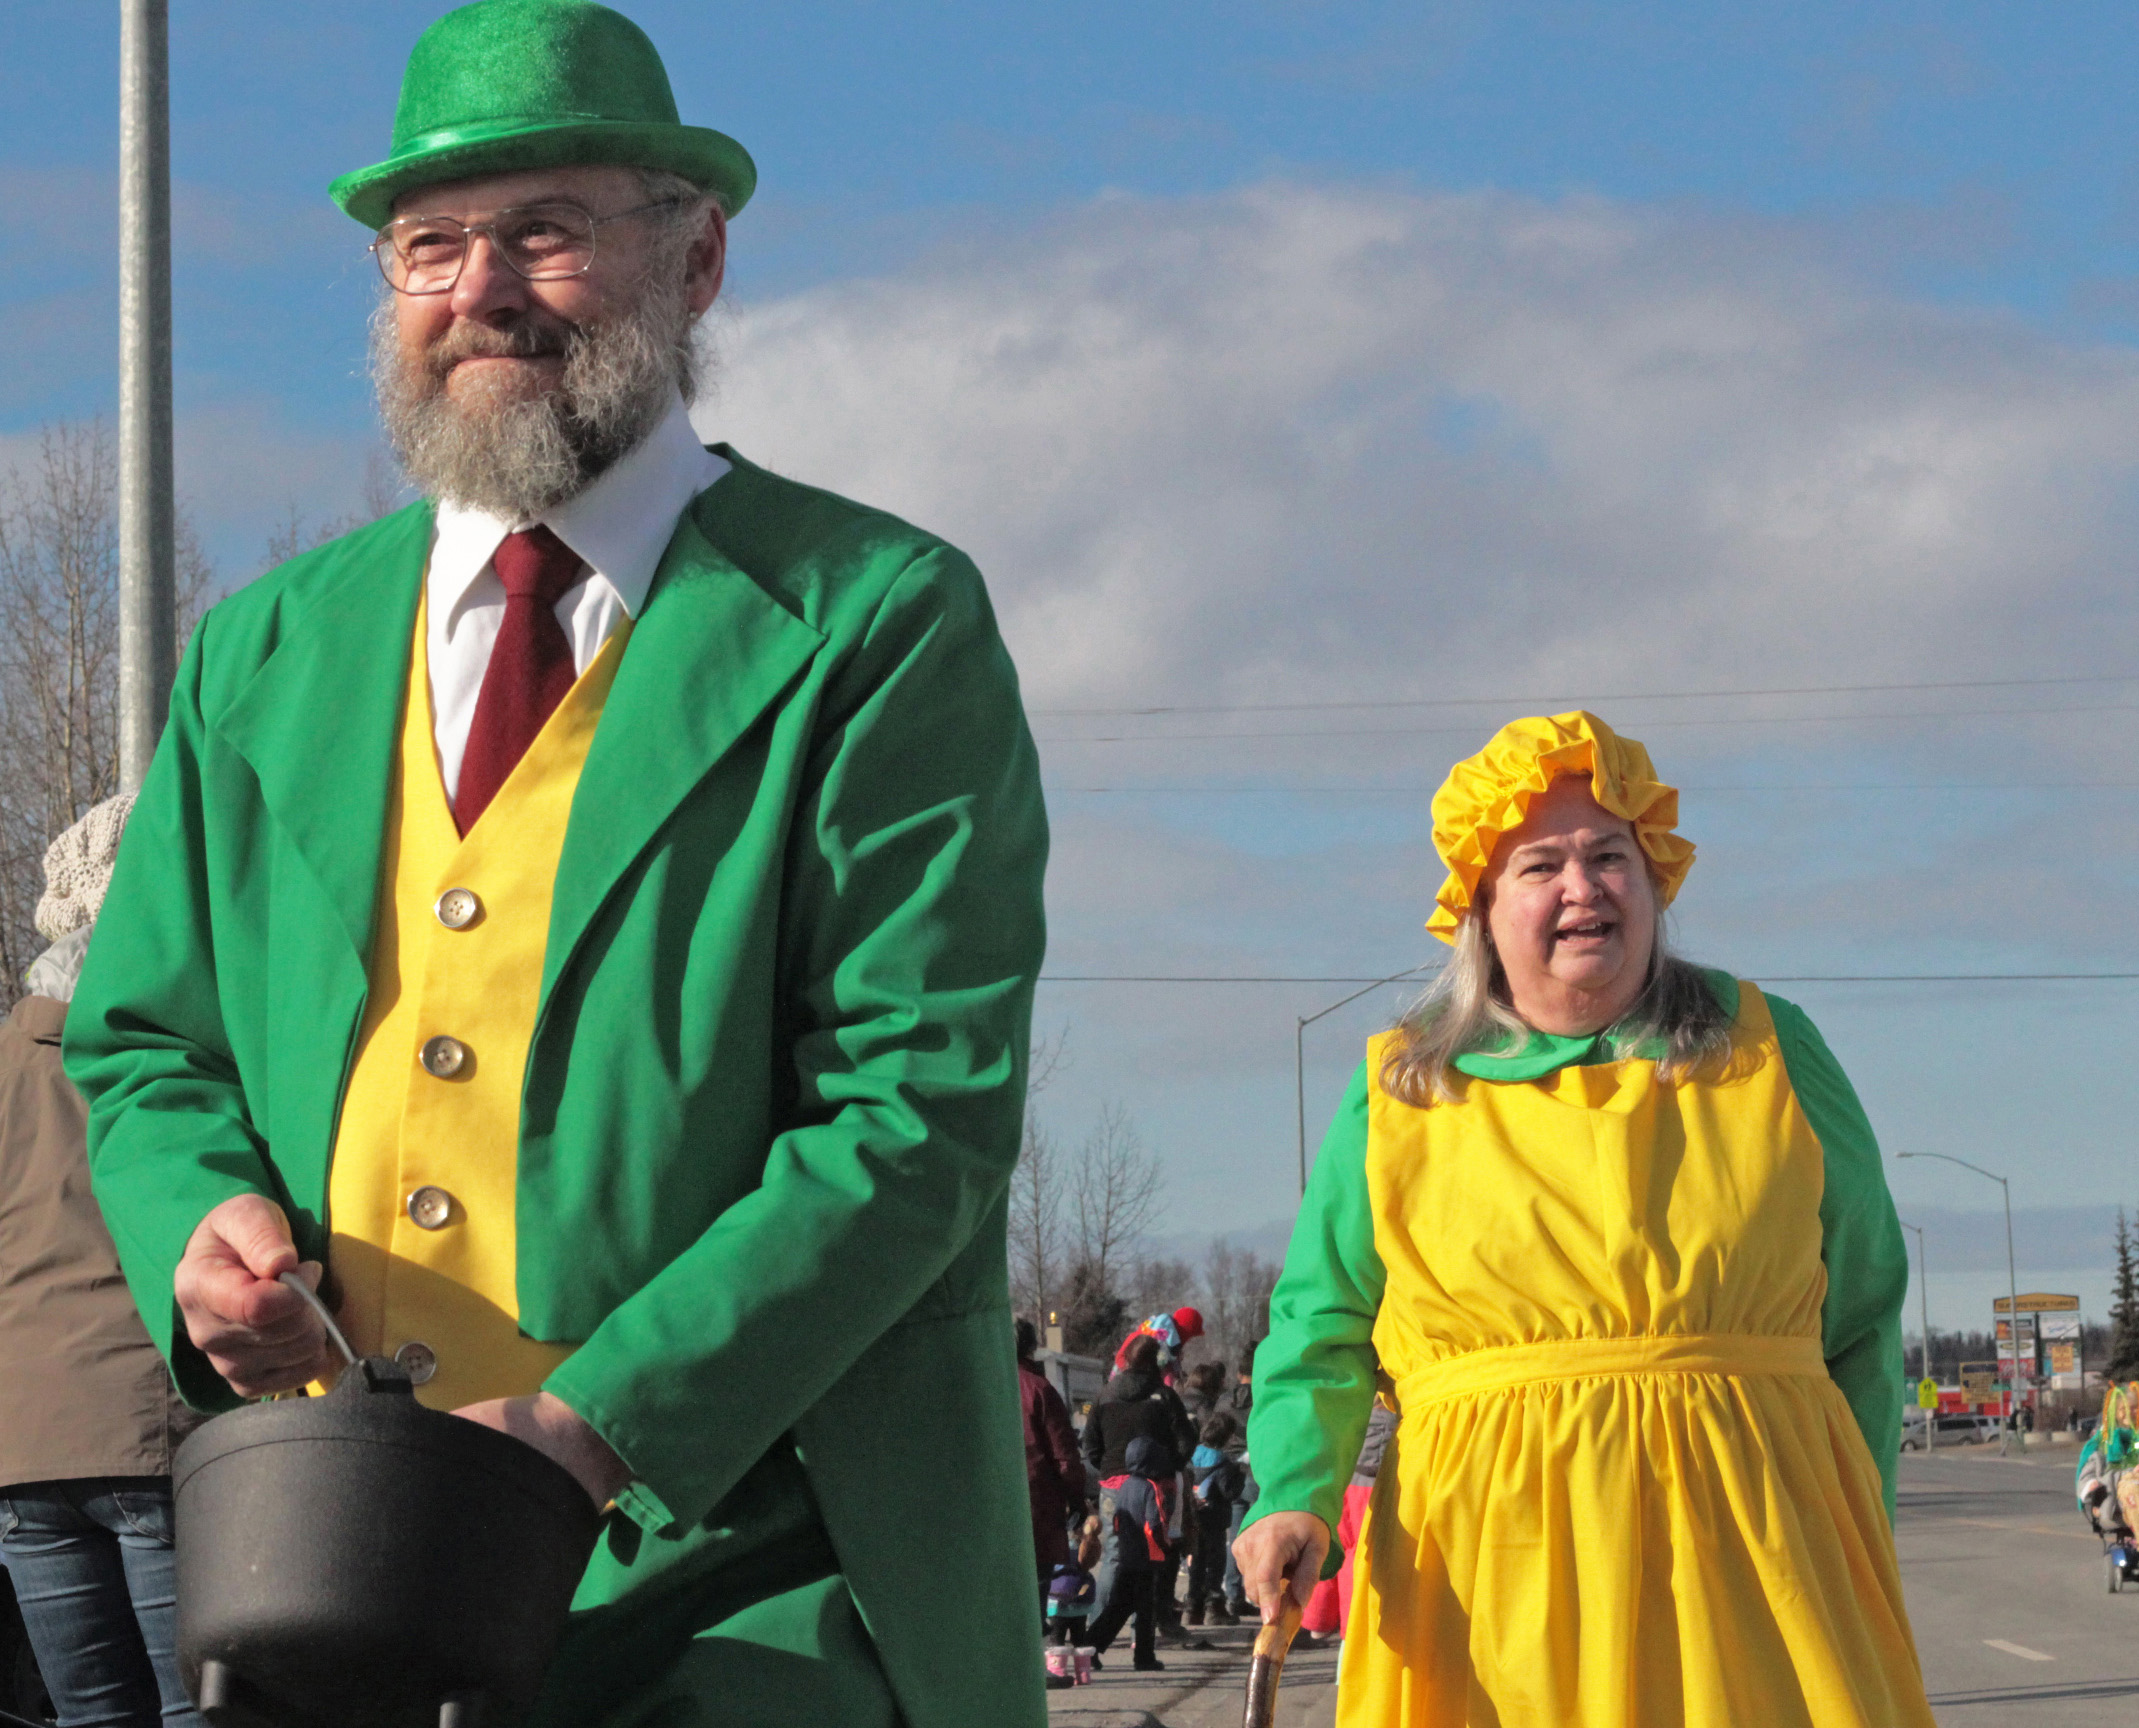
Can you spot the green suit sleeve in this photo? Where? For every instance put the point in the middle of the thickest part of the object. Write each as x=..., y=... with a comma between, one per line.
x=910, y=939
x=171, y=1136
x=1314, y=1374
x=1860, y=1240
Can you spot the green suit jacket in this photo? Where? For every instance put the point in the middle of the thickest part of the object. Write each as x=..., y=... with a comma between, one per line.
x=777, y=1078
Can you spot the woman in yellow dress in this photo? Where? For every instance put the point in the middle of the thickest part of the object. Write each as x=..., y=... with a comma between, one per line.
x=1610, y=1233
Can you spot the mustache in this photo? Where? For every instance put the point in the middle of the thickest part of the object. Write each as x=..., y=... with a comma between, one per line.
x=523, y=340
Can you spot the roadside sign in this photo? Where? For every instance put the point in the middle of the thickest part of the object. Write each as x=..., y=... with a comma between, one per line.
x=1981, y=1388
x=2037, y=1302
x=1927, y=1394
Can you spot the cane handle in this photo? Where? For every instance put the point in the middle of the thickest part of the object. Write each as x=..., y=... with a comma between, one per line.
x=1268, y=1662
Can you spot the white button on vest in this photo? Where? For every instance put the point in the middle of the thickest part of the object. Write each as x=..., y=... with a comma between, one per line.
x=457, y=908
x=443, y=1058
x=430, y=1208
x=418, y=1360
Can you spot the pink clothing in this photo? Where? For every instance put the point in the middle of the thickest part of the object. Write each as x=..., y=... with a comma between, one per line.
x=1329, y=1609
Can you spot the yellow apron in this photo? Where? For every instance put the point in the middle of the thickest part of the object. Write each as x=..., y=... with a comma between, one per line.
x=422, y=1191
x=1602, y=1320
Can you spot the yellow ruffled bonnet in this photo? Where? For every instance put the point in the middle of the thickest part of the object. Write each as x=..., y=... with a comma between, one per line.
x=1487, y=794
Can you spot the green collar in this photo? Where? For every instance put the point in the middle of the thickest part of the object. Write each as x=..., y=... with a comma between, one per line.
x=1543, y=1053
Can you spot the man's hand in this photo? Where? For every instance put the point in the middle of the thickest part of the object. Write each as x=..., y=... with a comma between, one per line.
x=1283, y=1550
x=260, y=1335
x=556, y=1430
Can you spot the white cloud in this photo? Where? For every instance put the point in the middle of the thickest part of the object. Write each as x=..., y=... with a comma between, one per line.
x=1300, y=441
x=1308, y=443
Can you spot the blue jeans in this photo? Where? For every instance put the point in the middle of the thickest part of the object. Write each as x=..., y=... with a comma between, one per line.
x=91, y=1563
x=1235, y=1590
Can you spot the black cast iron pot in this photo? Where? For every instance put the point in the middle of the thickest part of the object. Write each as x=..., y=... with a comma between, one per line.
x=360, y=1561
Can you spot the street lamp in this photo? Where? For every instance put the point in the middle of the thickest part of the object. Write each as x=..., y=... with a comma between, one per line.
x=1299, y=1051
x=2012, y=1287
x=1923, y=1291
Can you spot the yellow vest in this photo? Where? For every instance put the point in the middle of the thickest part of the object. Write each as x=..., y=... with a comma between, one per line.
x=421, y=1195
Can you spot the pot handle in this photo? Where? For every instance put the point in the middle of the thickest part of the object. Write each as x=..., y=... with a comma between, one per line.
x=318, y=1307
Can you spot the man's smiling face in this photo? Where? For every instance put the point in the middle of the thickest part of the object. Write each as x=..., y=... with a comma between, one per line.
x=494, y=333
x=510, y=394
x=1572, y=911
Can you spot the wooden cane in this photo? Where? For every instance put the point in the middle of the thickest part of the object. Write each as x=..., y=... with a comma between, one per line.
x=1268, y=1663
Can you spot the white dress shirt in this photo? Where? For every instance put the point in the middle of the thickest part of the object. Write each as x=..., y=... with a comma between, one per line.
x=620, y=525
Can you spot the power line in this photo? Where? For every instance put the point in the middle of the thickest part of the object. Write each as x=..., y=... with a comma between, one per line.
x=1427, y=791
x=1771, y=978
x=1564, y=696
x=1646, y=725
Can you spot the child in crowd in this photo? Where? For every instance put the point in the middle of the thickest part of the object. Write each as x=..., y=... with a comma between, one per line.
x=1137, y=1502
x=1217, y=1479
x=1070, y=1593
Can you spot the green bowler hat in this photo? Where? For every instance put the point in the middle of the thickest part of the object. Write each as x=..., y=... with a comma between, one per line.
x=510, y=84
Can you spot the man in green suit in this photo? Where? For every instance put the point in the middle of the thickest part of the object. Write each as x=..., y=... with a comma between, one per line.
x=714, y=1116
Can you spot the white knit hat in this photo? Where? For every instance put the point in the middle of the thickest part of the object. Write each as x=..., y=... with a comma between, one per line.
x=78, y=869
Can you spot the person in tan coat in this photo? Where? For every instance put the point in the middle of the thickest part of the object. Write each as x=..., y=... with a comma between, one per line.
x=91, y=1419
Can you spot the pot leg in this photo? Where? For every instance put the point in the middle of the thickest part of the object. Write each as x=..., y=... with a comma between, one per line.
x=226, y=1701
x=463, y=1710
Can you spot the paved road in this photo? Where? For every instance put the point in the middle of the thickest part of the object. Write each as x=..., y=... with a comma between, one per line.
x=1991, y=1549
x=1200, y=1688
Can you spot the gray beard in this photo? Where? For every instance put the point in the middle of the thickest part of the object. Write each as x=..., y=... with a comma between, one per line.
x=517, y=458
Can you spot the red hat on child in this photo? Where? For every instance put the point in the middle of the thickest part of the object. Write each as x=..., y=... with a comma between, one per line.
x=1189, y=1323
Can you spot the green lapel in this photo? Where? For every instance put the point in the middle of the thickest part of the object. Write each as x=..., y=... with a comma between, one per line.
x=708, y=655
x=317, y=722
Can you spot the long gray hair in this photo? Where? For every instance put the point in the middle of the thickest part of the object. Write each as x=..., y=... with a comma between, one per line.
x=1466, y=1009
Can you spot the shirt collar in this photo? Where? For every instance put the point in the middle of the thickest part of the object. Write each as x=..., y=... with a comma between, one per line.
x=620, y=525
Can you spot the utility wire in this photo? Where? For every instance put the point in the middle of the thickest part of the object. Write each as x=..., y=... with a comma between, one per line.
x=1563, y=696
x=1646, y=725
x=1427, y=791
x=1770, y=978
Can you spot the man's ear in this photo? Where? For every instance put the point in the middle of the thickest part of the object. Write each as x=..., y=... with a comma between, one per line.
x=707, y=262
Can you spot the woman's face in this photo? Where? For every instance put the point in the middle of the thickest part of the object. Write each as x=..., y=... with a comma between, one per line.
x=1571, y=911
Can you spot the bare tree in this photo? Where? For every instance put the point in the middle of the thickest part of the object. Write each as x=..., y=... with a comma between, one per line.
x=1233, y=1293
x=384, y=492
x=59, y=659
x=1117, y=1196
x=1158, y=1286
x=1037, y=1189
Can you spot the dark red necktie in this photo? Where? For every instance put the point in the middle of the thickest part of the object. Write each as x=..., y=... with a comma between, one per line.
x=530, y=667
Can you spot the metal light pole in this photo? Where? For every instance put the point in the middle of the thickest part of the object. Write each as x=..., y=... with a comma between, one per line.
x=1923, y=1291
x=148, y=608
x=1299, y=1051
x=2012, y=1290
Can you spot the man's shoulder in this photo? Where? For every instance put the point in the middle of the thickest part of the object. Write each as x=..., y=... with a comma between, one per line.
x=825, y=556
x=250, y=622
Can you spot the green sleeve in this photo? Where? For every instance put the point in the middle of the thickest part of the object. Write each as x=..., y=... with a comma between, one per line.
x=1860, y=1240
x=1314, y=1374
x=171, y=1134
x=912, y=931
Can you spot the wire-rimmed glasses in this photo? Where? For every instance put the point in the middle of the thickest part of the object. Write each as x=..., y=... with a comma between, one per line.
x=541, y=242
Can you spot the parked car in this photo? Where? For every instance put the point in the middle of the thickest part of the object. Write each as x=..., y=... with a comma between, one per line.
x=1952, y=1430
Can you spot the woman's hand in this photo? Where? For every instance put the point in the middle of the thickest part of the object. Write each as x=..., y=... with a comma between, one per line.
x=1284, y=1548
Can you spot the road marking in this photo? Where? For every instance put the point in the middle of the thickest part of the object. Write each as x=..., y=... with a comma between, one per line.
x=2018, y=1650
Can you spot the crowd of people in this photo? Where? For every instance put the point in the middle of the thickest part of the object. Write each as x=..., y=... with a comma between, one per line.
x=1137, y=1495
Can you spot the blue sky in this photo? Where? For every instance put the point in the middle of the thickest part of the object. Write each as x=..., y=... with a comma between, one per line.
x=1318, y=353
x=1967, y=148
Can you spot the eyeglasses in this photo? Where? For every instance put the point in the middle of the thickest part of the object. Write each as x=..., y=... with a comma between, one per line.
x=542, y=242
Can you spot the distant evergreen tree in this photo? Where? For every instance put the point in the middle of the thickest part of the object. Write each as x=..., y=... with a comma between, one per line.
x=2123, y=1361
